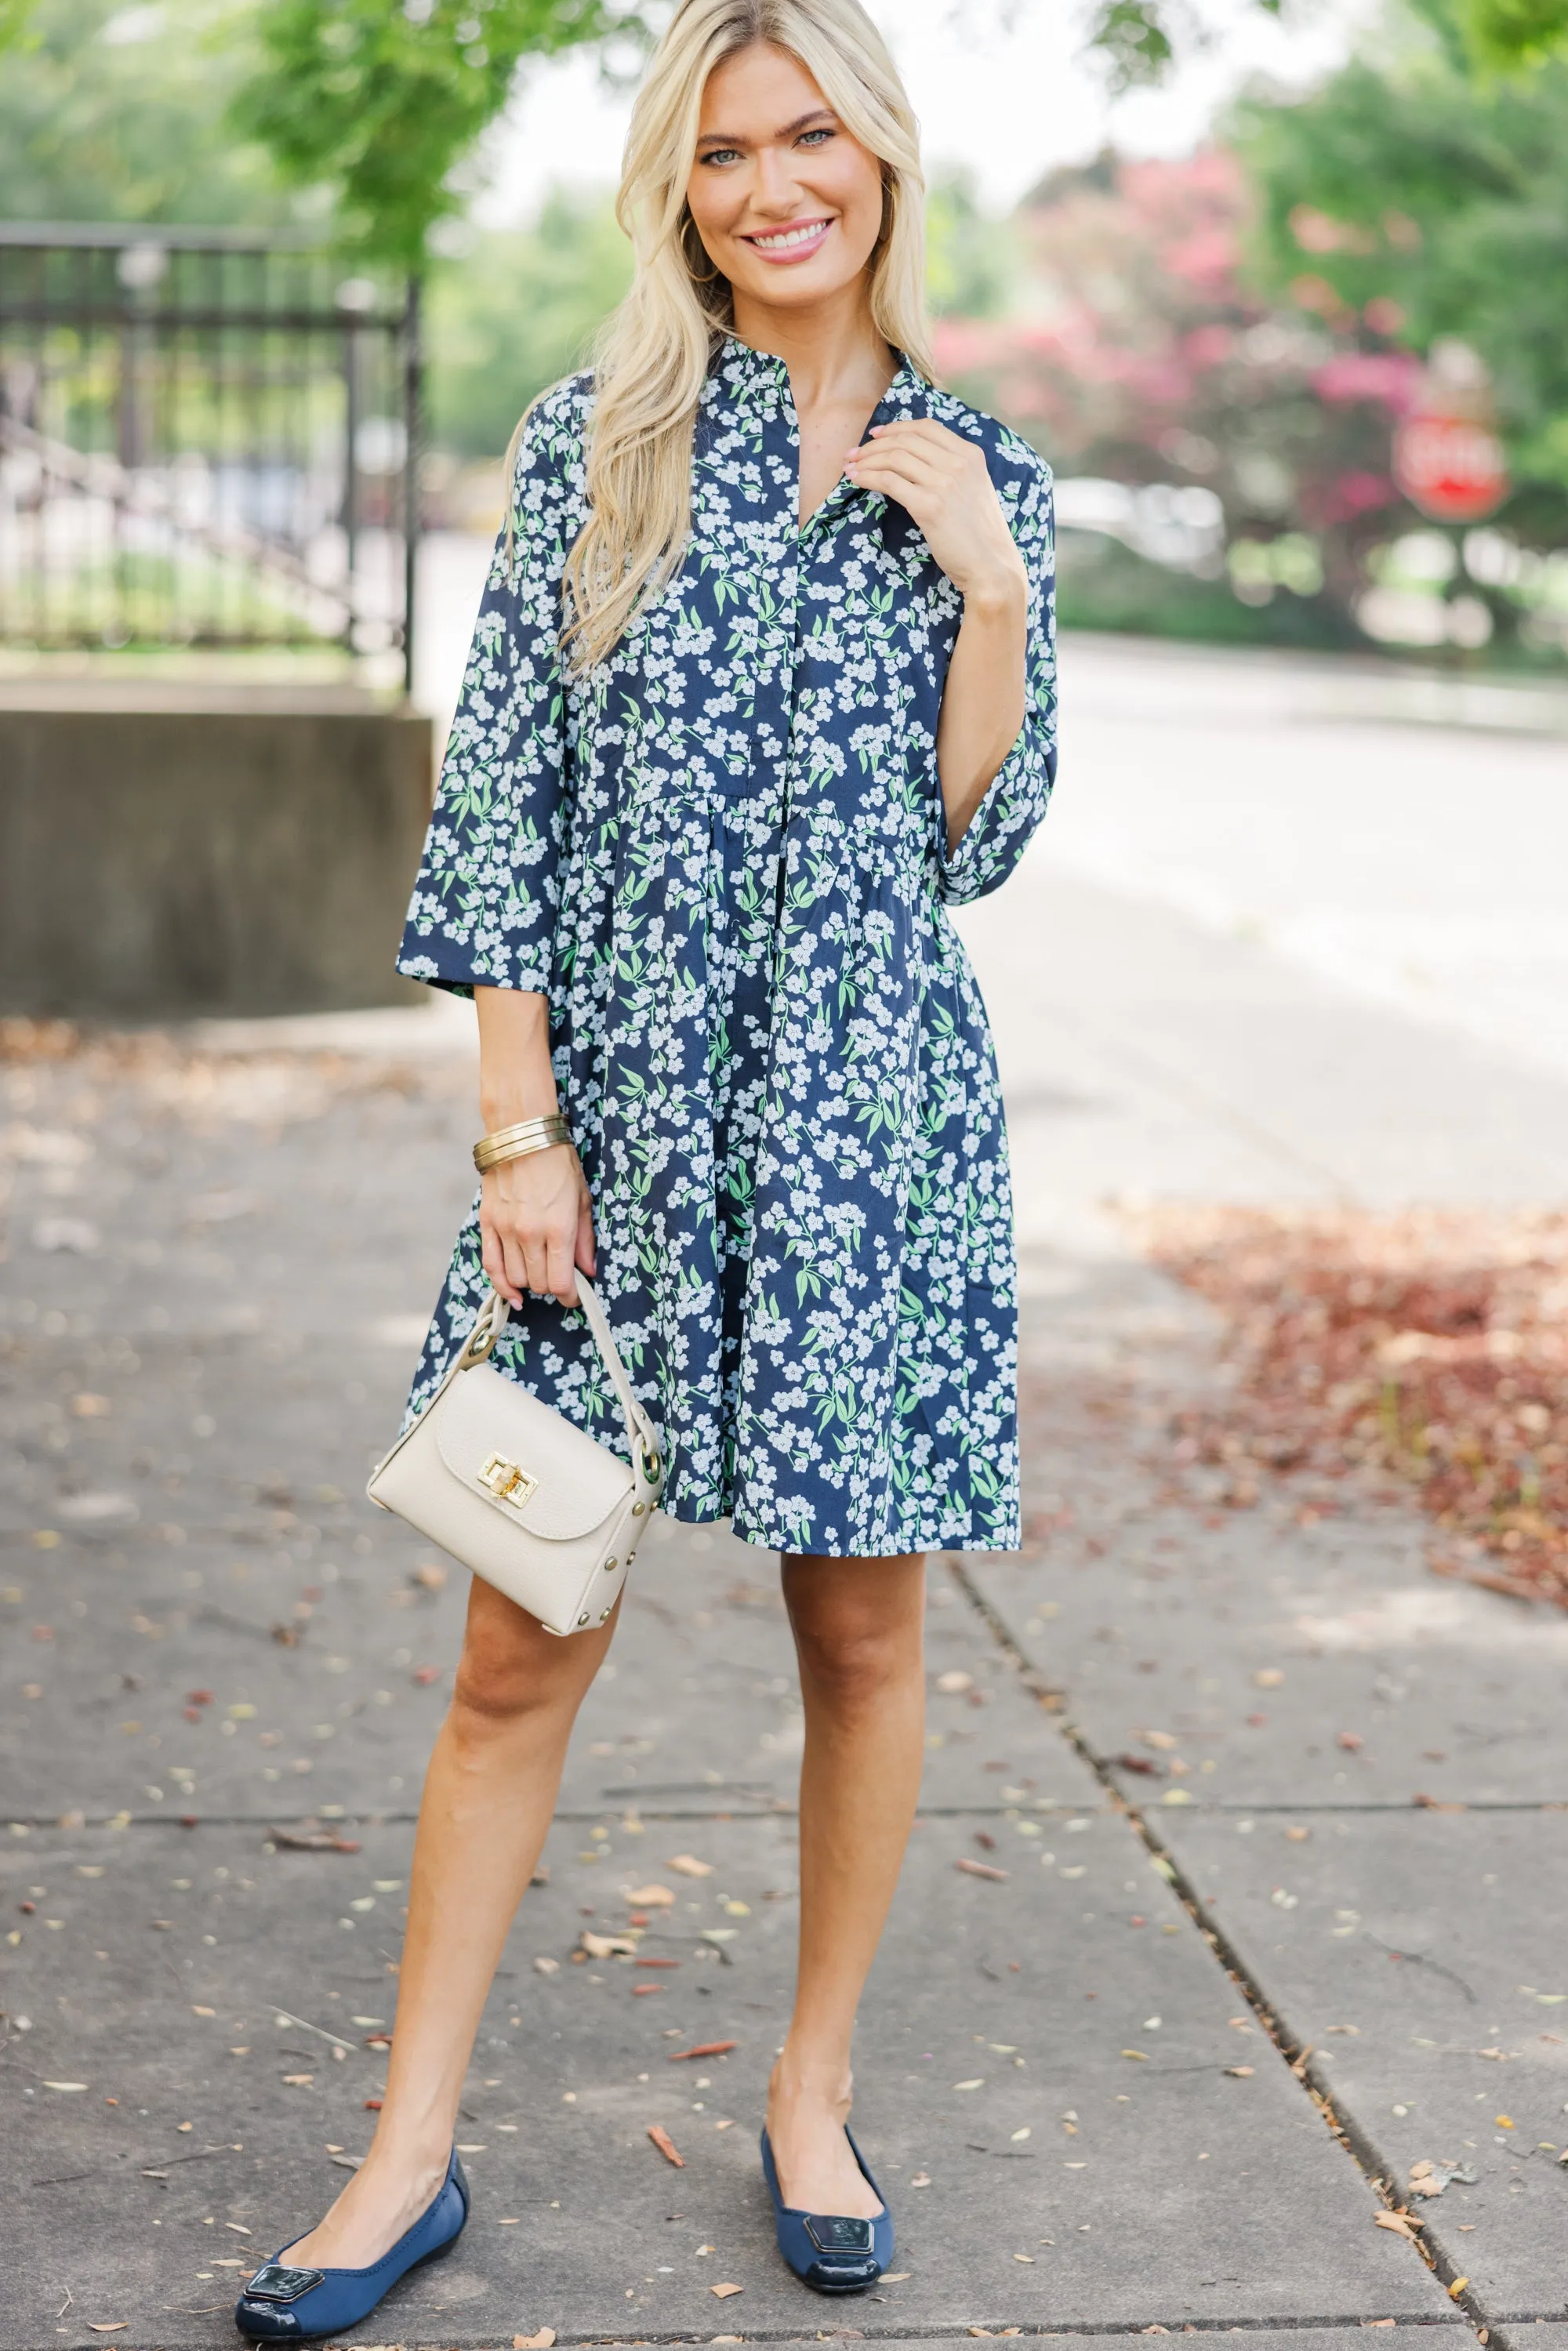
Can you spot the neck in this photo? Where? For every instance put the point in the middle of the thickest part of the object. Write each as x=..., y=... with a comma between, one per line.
x=833, y=350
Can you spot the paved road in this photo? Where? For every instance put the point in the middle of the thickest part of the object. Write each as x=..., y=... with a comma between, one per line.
x=1150, y=2078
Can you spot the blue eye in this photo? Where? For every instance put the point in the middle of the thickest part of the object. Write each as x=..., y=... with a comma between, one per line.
x=721, y=155
x=807, y=137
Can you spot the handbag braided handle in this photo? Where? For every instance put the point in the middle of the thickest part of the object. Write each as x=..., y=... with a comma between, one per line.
x=492, y=1320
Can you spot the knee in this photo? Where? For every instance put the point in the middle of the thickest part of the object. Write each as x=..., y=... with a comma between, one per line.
x=504, y=1675
x=854, y=1660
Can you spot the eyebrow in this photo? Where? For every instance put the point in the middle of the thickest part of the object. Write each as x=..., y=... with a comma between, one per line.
x=728, y=139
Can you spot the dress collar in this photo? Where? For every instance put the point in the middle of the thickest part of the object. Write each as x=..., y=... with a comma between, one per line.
x=755, y=383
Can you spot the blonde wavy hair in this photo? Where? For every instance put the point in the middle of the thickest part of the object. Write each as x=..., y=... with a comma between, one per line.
x=654, y=350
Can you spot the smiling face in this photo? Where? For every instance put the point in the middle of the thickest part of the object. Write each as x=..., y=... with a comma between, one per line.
x=788, y=205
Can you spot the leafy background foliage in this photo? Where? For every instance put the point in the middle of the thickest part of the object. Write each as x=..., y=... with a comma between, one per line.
x=1246, y=324
x=380, y=103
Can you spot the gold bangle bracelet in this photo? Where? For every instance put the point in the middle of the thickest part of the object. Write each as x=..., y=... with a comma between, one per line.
x=517, y=1142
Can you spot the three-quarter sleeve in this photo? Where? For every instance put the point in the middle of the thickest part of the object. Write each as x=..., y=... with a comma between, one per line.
x=1001, y=827
x=484, y=908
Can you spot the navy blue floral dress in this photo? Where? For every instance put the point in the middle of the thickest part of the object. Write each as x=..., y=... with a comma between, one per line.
x=722, y=856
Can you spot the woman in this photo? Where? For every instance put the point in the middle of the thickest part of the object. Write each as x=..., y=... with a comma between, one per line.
x=763, y=677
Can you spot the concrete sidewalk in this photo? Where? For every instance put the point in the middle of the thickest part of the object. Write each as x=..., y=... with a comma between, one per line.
x=1148, y=2079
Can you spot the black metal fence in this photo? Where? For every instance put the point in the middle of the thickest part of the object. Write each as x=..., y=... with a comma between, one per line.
x=206, y=440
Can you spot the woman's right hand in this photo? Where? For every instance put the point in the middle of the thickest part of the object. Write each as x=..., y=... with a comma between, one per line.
x=536, y=1222
x=536, y=1216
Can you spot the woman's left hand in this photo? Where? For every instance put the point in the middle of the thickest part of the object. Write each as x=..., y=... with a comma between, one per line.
x=942, y=481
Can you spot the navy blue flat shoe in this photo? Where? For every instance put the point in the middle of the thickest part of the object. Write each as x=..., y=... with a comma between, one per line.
x=283, y=2303
x=830, y=2253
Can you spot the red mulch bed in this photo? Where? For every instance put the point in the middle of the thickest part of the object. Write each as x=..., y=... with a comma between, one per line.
x=1429, y=1347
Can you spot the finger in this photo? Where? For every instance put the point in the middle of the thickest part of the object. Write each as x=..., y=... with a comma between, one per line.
x=900, y=482
x=536, y=1258
x=924, y=432
x=899, y=467
x=517, y=1264
x=492, y=1258
x=586, y=1257
x=561, y=1278
x=935, y=462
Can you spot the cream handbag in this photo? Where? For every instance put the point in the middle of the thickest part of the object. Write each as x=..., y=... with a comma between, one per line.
x=511, y=1488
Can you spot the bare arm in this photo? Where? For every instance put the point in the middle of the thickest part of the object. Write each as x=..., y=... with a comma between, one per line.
x=536, y=1221
x=942, y=481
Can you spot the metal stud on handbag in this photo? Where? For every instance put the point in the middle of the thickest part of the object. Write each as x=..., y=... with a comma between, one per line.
x=510, y=1487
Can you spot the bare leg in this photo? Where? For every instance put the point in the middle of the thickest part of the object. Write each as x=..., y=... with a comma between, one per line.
x=858, y=1635
x=488, y=1796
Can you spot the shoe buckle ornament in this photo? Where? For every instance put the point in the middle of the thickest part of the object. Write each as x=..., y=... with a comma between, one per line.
x=837, y=2234
x=507, y=1482
x=275, y=2282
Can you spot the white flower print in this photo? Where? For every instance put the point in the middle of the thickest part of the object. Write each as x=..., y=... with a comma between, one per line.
x=722, y=856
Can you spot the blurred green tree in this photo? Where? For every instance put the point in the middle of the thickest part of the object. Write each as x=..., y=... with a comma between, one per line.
x=380, y=102
x=1408, y=198
x=972, y=260
x=1139, y=40
x=115, y=112
x=512, y=310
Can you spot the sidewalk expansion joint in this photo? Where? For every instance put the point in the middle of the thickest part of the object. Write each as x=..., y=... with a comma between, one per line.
x=1345, y=2132
x=36, y=1823
x=1066, y=2330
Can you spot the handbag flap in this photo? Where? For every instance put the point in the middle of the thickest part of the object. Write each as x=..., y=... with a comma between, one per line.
x=523, y=1457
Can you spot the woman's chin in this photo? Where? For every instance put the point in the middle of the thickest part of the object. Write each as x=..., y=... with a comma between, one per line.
x=796, y=285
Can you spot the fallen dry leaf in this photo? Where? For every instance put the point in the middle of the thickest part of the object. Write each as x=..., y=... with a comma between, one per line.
x=312, y=1836
x=690, y=1867
x=1457, y=2288
x=1242, y=2073
x=703, y=2049
x=1396, y=2221
x=608, y=1947
x=648, y=1897
x=539, y=2342
x=978, y=1868
x=666, y=2145
x=1428, y=1345
x=115, y=2325
x=952, y=1684
x=722, y=2293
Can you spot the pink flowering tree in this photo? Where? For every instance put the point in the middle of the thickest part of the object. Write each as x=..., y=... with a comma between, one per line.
x=1136, y=352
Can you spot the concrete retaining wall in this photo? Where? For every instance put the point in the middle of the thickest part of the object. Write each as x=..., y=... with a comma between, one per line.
x=248, y=857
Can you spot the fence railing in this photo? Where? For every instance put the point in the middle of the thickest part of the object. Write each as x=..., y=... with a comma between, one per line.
x=207, y=439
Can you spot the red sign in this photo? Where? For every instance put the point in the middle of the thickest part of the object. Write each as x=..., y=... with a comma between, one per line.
x=1452, y=468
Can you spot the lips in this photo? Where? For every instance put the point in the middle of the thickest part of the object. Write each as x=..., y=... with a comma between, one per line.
x=795, y=241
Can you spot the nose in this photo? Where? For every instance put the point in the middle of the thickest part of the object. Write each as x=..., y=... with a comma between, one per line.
x=777, y=190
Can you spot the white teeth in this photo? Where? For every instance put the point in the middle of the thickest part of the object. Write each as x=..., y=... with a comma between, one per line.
x=780, y=238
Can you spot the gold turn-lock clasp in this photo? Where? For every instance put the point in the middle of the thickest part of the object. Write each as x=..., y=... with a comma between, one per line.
x=507, y=1482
